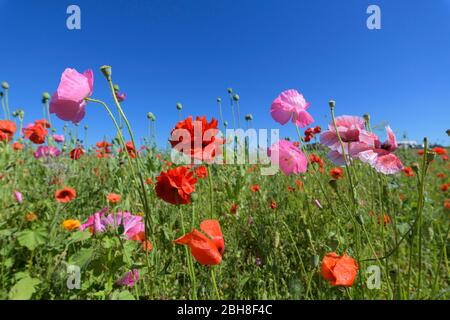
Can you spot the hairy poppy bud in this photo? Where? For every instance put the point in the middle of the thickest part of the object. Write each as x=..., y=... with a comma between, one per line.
x=116, y=87
x=107, y=71
x=366, y=117
x=194, y=197
x=315, y=261
x=219, y=99
x=230, y=90
x=430, y=156
x=332, y=103
x=248, y=117
x=236, y=97
x=225, y=124
x=179, y=106
x=415, y=167
x=5, y=85
x=45, y=97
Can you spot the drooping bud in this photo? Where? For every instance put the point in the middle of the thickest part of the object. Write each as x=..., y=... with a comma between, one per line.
x=85, y=127
x=179, y=106
x=225, y=124
x=366, y=117
x=236, y=97
x=151, y=116
x=230, y=90
x=45, y=97
x=248, y=117
x=415, y=167
x=5, y=85
x=116, y=87
x=219, y=99
x=107, y=71
x=448, y=132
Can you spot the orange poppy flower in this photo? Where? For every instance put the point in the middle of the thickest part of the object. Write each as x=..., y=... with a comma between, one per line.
x=113, y=198
x=255, y=188
x=71, y=224
x=148, y=181
x=201, y=172
x=176, y=185
x=273, y=204
x=65, y=195
x=447, y=204
x=386, y=219
x=444, y=187
x=440, y=151
x=207, y=251
x=30, y=217
x=233, y=208
x=339, y=270
x=336, y=173
x=17, y=146
x=36, y=133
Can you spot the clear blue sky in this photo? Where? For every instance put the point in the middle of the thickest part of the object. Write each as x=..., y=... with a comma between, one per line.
x=169, y=51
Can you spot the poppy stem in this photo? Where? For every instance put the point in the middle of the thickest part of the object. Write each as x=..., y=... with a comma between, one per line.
x=213, y=280
x=211, y=195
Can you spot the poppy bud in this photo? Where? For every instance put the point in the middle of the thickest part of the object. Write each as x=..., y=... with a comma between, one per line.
x=45, y=97
x=107, y=71
x=415, y=167
x=225, y=124
x=315, y=260
x=236, y=97
x=194, y=197
x=179, y=106
x=116, y=87
x=121, y=229
x=219, y=99
x=332, y=103
x=276, y=242
x=85, y=127
x=5, y=85
x=1, y=94
x=366, y=117
x=430, y=156
x=248, y=117
x=360, y=219
x=64, y=148
x=15, y=114
x=308, y=233
x=448, y=132
x=333, y=184
x=230, y=90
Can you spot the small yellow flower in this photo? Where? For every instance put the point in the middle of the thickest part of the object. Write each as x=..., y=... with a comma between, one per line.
x=71, y=224
x=31, y=217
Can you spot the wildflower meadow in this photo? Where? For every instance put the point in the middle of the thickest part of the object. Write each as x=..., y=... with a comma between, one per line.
x=338, y=212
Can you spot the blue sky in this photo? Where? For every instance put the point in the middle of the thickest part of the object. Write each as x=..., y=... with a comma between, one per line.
x=169, y=51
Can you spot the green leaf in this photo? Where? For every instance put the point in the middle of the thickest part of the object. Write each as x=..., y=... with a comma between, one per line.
x=32, y=238
x=24, y=288
x=79, y=236
x=122, y=295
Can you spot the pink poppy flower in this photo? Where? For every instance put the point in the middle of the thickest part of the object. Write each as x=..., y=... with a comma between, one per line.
x=291, y=104
x=68, y=101
x=354, y=137
x=120, y=97
x=289, y=158
x=129, y=279
x=58, y=138
x=18, y=196
x=98, y=223
x=380, y=156
x=46, y=151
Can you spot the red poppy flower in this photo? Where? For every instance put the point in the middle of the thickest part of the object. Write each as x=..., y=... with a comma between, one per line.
x=317, y=130
x=447, y=204
x=408, y=171
x=336, y=173
x=36, y=133
x=7, y=130
x=290, y=189
x=146, y=244
x=420, y=152
x=441, y=175
x=444, y=187
x=316, y=159
x=233, y=208
x=176, y=185
x=440, y=151
x=76, y=153
x=65, y=195
x=207, y=145
x=273, y=204
x=255, y=188
x=43, y=123
x=307, y=139
x=148, y=181
x=299, y=184
x=113, y=198
x=339, y=270
x=201, y=172
x=206, y=250
x=131, y=150
x=444, y=157
x=386, y=219
x=17, y=146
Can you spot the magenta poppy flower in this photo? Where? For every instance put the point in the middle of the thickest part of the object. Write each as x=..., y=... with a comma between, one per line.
x=46, y=151
x=68, y=101
x=289, y=158
x=120, y=97
x=58, y=138
x=380, y=156
x=18, y=196
x=98, y=223
x=354, y=137
x=129, y=279
x=290, y=104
